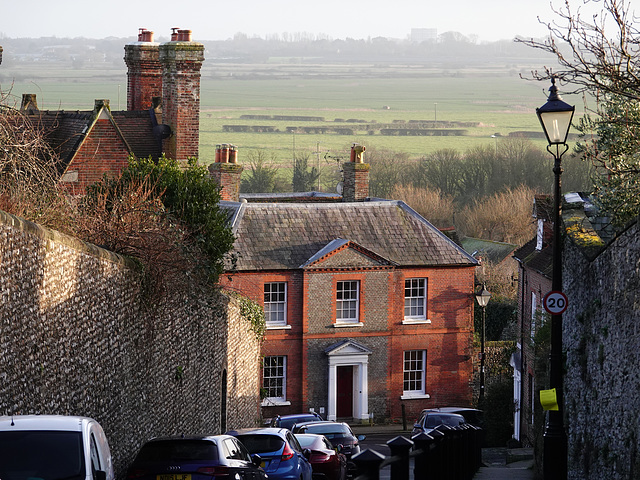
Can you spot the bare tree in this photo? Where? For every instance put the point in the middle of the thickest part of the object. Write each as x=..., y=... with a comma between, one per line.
x=29, y=172
x=597, y=51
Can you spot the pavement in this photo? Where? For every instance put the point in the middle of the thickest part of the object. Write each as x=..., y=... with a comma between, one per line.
x=497, y=463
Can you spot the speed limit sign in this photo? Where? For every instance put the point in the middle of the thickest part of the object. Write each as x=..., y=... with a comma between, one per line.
x=555, y=302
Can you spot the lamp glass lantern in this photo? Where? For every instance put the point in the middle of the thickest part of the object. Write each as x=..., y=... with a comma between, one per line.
x=483, y=296
x=555, y=117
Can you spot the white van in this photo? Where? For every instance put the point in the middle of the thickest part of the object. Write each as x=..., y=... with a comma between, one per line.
x=53, y=447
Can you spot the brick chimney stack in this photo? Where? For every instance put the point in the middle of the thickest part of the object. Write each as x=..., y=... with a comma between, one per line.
x=227, y=172
x=181, y=60
x=144, y=76
x=355, y=176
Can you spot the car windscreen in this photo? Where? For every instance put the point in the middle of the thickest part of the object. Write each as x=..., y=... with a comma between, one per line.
x=329, y=431
x=261, y=443
x=181, y=450
x=46, y=455
x=290, y=422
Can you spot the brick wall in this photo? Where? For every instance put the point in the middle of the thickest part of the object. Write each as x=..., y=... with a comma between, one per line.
x=102, y=152
x=75, y=340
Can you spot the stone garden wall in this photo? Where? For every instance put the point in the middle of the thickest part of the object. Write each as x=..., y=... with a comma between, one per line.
x=75, y=340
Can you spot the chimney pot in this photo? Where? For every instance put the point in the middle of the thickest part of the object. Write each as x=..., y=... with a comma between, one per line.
x=145, y=35
x=174, y=34
x=184, y=35
x=357, y=153
x=233, y=154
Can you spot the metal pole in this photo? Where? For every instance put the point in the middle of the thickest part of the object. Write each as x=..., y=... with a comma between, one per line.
x=555, y=439
x=481, y=398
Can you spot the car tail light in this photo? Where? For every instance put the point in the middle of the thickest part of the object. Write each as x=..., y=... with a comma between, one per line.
x=287, y=453
x=319, y=457
x=136, y=473
x=213, y=471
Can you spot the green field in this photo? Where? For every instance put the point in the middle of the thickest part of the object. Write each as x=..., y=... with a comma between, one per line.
x=493, y=100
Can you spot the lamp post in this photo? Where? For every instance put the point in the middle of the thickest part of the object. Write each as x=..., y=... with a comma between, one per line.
x=555, y=117
x=483, y=299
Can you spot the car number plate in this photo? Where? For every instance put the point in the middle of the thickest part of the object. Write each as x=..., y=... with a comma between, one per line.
x=174, y=476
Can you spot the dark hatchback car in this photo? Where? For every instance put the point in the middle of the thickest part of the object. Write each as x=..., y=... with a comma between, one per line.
x=430, y=419
x=338, y=433
x=327, y=463
x=288, y=421
x=195, y=458
x=281, y=454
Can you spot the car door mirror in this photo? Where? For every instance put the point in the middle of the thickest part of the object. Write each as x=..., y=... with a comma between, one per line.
x=306, y=453
x=99, y=475
x=361, y=437
x=256, y=460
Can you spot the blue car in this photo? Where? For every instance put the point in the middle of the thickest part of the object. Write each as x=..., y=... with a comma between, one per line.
x=281, y=454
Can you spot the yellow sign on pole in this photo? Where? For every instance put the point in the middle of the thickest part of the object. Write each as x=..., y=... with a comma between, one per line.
x=548, y=399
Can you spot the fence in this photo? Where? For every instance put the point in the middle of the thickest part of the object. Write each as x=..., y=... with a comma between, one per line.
x=446, y=453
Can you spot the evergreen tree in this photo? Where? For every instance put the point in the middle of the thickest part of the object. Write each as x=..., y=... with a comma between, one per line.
x=304, y=180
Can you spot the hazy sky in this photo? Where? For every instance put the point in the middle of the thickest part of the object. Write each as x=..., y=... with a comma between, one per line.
x=218, y=20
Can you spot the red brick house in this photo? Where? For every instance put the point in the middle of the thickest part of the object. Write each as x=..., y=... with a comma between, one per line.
x=162, y=116
x=535, y=260
x=369, y=307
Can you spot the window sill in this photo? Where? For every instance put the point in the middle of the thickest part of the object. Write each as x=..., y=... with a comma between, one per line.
x=415, y=396
x=275, y=403
x=342, y=325
x=278, y=327
x=416, y=321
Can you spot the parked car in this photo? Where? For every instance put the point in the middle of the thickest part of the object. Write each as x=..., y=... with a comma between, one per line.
x=430, y=419
x=339, y=434
x=471, y=415
x=326, y=461
x=281, y=453
x=288, y=421
x=53, y=447
x=195, y=458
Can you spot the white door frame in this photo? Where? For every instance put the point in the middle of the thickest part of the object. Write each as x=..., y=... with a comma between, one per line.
x=350, y=353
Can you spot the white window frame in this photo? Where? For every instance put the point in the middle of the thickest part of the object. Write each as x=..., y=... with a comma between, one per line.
x=281, y=364
x=534, y=313
x=415, y=301
x=414, y=362
x=342, y=302
x=270, y=304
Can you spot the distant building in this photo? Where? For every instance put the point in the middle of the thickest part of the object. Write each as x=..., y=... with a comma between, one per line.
x=419, y=35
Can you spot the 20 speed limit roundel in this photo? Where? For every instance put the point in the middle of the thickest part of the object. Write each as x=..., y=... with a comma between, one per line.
x=555, y=302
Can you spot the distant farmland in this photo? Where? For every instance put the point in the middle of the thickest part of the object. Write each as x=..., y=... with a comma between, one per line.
x=413, y=109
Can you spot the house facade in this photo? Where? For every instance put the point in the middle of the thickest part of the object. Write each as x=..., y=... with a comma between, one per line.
x=369, y=307
x=534, y=282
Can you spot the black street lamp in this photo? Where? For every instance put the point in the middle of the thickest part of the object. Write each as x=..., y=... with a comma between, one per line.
x=483, y=299
x=555, y=117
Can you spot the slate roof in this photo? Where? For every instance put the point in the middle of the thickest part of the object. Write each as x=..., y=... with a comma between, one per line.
x=65, y=130
x=284, y=236
x=538, y=260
